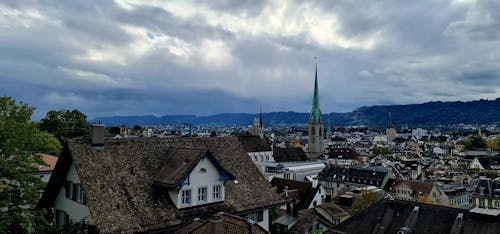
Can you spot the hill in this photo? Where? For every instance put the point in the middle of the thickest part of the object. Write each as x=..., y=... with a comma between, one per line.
x=426, y=114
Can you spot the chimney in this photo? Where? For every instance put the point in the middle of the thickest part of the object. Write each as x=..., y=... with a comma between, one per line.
x=97, y=134
x=216, y=224
x=251, y=227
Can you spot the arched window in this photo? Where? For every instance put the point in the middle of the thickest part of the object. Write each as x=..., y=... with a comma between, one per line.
x=313, y=131
x=320, y=131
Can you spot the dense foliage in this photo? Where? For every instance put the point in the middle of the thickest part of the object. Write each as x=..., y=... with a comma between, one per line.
x=20, y=140
x=381, y=150
x=65, y=123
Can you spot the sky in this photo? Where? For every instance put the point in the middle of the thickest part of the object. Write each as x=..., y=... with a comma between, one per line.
x=131, y=57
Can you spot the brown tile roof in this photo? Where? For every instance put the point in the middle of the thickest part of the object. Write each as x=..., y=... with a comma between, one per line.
x=289, y=154
x=419, y=188
x=117, y=180
x=343, y=153
x=255, y=143
x=229, y=224
x=304, y=190
x=179, y=162
x=49, y=161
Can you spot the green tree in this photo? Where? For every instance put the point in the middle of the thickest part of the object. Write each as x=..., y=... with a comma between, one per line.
x=20, y=140
x=381, y=150
x=364, y=200
x=475, y=142
x=65, y=124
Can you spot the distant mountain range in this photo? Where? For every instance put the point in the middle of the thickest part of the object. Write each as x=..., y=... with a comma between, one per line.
x=426, y=114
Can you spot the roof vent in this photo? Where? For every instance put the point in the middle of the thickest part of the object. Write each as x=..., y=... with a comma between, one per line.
x=97, y=134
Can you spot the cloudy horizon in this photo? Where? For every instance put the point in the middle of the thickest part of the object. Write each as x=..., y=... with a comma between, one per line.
x=131, y=57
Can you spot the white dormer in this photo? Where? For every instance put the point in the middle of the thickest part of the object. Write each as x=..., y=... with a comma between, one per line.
x=192, y=177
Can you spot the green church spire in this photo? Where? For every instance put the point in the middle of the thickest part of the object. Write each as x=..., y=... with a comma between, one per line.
x=316, y=112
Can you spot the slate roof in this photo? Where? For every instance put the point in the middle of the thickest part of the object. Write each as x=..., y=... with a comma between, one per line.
x=488, y=162
x=254, y=143
x=388, y=216
x=178, y=164
x=305, y=190
x=289, y=154
x=359, y=175
x=118, y=177
x=228, y=224
x=321, y=213
x=343, y=153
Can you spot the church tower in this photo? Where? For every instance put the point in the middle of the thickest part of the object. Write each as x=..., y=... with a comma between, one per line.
x=258, y=126
x=316, y=129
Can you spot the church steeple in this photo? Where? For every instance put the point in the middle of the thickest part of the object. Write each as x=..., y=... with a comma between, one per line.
x=316, y=112
x=316, y=129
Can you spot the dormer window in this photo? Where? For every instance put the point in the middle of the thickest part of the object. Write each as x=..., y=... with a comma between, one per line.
x=202, y=195
x=186, y=197
x=191, y=177
x=217, y=192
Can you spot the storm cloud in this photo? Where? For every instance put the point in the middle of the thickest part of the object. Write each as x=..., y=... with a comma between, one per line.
x=129, y=57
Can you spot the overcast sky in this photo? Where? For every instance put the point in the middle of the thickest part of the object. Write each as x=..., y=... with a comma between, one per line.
x=130, y=57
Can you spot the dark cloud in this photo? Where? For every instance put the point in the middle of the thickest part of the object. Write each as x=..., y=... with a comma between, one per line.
x=195, y=57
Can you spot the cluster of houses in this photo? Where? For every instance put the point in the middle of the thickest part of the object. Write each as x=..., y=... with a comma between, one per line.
x=353, y=182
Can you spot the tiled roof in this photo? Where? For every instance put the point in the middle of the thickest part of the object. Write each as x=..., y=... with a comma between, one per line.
x=343, y=153
x=117, y=180
x=388, y=216
x=254, y=143
x=305, y=190
x=229, y=224
x=418, y=187
x=359, y=175
x=289, y=154
x=179, y=162
x=49, y=160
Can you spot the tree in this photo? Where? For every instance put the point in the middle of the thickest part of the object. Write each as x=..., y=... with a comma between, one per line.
x=493, y=144
x=364, y=200
x=381, y=150
x=20, y=140
x=475, y=142
x=65, y=124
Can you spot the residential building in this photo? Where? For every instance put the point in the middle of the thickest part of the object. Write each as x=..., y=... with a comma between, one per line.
x=155, y=184
x=406, y=217
x=486, y=195
x=258, y=149
x=417, y=191
x=338, y=179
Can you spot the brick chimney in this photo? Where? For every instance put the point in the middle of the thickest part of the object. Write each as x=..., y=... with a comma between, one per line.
x=97, y=134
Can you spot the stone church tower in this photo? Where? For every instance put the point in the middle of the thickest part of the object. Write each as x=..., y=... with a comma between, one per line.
x=316, y=129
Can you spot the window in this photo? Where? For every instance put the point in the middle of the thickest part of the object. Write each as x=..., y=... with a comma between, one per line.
x=256, y=216
x=286, y=176
x=186, y=197
x=61, y=217
x=217, y=192
x=203, y=170
x=202, y=194
x=74, y=191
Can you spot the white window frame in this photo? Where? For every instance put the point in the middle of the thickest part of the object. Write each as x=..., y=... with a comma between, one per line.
x=217, y=192
x=202, y=194
x=186, y=197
